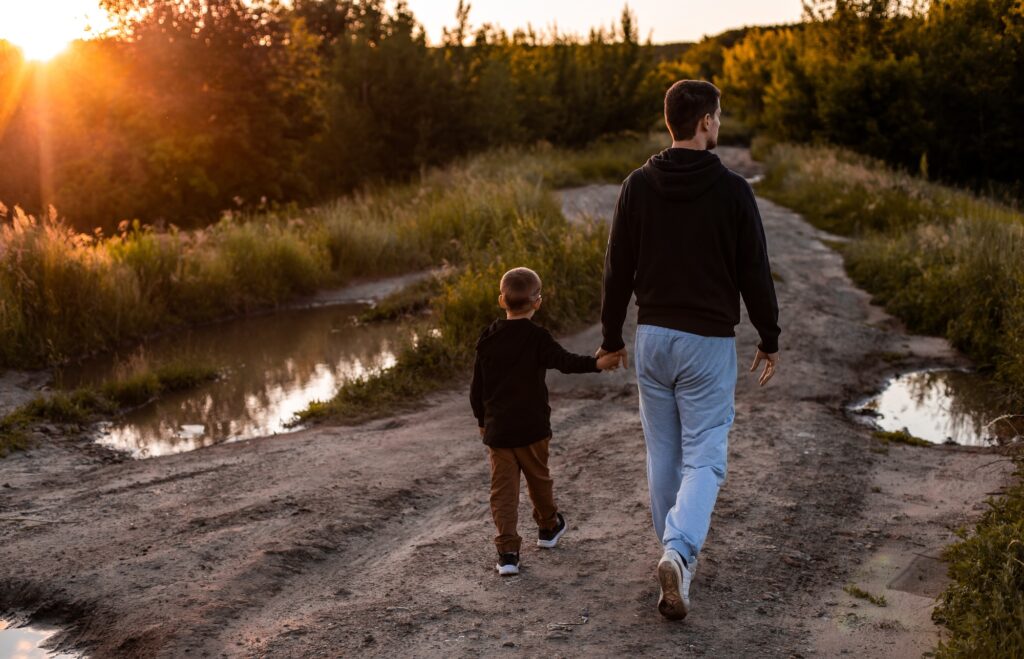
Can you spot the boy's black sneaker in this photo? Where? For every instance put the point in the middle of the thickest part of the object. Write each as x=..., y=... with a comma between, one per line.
x=548, y=538
x=508, y=564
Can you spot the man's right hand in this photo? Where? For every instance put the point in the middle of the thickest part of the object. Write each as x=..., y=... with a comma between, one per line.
x=770, y=362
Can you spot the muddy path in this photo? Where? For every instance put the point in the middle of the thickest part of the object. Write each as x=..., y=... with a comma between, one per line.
x=376, y=538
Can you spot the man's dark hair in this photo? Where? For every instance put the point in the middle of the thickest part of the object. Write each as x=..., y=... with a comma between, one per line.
x=686, y=103
x=521, y=288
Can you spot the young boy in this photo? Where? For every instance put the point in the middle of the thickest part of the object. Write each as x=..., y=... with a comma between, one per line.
x=510, y=402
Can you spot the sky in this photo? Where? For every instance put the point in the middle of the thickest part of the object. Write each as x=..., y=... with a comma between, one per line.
x=664, y=20
x=43, y=27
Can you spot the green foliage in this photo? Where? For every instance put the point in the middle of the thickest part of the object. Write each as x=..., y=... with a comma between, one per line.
x=860, y=593
x=138, y=383
x=568, y=259
x=899, y=437
x=945, y=261
x=984, y=606
x=421, y=367
x=63, y=294
x=937, y=83
x=404, y=302
x=192, y=107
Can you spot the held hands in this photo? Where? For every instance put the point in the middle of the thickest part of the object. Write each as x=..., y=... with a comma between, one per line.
x=609, y=361
x=770, y=361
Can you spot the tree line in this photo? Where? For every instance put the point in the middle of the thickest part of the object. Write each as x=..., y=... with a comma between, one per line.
x=932, y=87
x=191, y=107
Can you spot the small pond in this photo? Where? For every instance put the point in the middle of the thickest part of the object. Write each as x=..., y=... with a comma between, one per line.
x=273, y=366
x=25, y=642
x=941, y=406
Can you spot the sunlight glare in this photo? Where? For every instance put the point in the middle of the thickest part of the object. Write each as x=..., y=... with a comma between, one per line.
x=43, y=29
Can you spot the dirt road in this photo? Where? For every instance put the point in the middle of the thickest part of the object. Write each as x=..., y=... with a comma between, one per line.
x=376, y=539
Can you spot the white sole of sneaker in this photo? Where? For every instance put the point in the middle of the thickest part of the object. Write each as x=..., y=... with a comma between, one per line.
x=507, y=570
x=549, y=544
x=671, y=604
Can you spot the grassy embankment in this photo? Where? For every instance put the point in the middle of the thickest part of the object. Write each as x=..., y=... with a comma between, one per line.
x=64, y=294
x=568, y=257
x=948, y=263
x=136, y=385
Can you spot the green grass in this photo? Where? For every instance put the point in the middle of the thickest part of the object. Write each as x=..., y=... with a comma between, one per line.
x=64, y=294
x=984, y=606
x=134, y=386
x=860, y=593
x=948, y=263
x=944, y=261
x=420, y=368
x=567, y=257
x=405, y=302
x=899, y=437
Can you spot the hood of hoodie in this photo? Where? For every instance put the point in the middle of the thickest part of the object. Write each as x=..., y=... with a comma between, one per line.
x=513, y=332
x=683, y=174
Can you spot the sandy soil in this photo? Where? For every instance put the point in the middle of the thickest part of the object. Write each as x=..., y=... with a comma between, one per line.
x=376, y=539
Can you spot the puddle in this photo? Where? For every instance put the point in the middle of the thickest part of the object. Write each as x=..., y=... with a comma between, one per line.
x=24, y=642
x=941, y=406
x=274, y=366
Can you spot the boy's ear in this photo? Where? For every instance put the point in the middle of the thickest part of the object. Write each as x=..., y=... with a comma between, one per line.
x=501, y=301
x=536, y=304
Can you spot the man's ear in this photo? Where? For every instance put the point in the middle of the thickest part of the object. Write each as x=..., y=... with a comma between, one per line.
x=501, y=301
x=536, y=303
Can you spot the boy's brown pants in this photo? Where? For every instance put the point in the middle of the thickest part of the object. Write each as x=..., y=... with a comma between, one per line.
x=506, y=463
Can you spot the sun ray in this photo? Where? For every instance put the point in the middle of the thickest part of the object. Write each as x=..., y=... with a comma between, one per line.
x=42, y=30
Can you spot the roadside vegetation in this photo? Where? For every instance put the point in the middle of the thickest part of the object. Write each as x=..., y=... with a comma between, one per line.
x=568, y=258
x=137, y=383
x=984, y=607
x=945, y=261
x=950, y=263
x=64, y=294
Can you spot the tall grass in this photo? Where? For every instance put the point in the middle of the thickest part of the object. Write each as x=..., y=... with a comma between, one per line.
x=64, y=294
x=945, y=261
x=984, y=606
x=568, y=259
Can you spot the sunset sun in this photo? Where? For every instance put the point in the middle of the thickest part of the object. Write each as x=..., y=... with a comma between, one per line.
x=43, y=30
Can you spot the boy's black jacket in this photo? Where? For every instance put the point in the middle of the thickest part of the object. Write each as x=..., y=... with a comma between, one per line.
x=508, y=394
x=687, y=239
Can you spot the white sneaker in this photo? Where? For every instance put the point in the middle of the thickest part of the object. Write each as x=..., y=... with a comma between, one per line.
x=508, y=564
x=674, y=578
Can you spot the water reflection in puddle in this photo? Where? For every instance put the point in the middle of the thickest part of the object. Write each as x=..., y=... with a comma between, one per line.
x=274, y=366
x=24, y=642
x=940, y=406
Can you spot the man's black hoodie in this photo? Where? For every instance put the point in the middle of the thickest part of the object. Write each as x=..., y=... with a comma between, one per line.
x=687, y=238
x=508, y=394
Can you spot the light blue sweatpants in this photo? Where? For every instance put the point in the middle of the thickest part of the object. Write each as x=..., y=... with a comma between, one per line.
x=687, y=388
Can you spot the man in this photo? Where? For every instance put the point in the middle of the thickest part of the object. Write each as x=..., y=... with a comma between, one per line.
x=687, y=239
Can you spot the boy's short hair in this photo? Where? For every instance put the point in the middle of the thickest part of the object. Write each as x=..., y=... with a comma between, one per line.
x=686, y=103
x=521, y=288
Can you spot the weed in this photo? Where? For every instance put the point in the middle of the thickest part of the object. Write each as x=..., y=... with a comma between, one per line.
x=860, y=593
x=984, y=606
x=899, y=437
